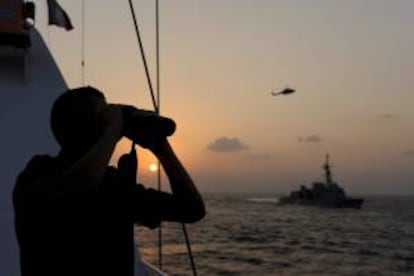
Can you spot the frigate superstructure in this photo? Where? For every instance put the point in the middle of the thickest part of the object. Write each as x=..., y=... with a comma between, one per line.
x=324, y=194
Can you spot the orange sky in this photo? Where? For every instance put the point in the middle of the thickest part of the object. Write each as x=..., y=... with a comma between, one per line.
x=351, y=62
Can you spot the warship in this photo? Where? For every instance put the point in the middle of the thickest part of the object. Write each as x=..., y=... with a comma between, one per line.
x=323, y=194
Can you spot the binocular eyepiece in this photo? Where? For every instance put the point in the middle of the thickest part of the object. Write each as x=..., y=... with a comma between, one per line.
x=143, y=123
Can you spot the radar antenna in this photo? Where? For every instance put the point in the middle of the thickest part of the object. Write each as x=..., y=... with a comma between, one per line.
x=328, y=173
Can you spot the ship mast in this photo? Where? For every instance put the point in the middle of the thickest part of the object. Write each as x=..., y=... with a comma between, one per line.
x=328, y=173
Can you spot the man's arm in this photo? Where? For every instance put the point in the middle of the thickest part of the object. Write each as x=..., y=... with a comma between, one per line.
x=82, y=171
x=185, y=204
x=92, y=164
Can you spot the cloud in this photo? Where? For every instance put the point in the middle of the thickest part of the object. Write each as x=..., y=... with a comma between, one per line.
x=409, y=153
x=387, y=116
x=225, y=144
x=310, y=139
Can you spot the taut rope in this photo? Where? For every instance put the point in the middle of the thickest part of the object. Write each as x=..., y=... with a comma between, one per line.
x=156, y=104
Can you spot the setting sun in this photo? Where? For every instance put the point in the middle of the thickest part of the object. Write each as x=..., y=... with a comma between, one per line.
x=153, y=167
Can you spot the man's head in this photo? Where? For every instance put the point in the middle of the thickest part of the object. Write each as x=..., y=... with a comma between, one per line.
x=76, y=118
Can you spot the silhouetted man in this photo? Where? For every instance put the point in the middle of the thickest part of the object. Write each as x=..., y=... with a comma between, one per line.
x=74, y=214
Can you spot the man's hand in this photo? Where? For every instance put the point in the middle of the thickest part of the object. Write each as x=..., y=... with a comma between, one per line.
x=127, y=165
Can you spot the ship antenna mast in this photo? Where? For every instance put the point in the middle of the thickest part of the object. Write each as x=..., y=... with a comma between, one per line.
x=328, y=173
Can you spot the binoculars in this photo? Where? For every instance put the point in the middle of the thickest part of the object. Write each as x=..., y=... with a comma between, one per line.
x=140, y=123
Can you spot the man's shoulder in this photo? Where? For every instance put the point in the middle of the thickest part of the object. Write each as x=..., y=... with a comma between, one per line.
x=39, y=162
x=38, y=165
x=37, y=168
x=41, y=159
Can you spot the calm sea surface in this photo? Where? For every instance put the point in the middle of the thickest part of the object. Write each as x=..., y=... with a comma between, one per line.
x=253, y=235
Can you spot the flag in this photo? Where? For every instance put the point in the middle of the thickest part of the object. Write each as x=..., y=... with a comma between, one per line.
x=57, y=16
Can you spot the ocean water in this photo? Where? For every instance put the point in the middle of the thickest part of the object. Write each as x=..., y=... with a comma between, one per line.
x=253, y=235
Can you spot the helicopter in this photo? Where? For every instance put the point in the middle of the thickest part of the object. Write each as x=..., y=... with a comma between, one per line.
x=285, y=91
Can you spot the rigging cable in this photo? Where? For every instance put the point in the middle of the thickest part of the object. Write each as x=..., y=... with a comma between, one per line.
x=158, y=110
x=190, y=253
x=83, y=43
x=144, y=59
x=156, y=104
